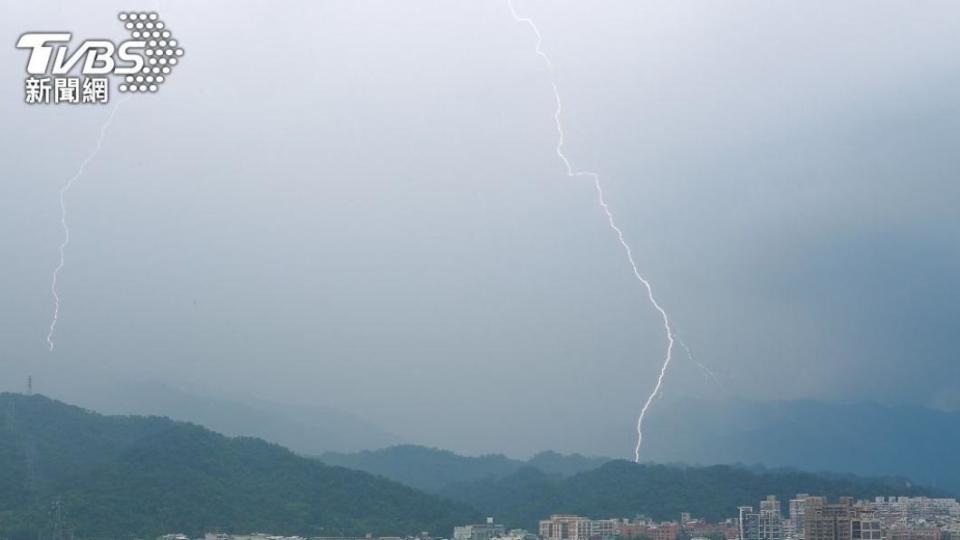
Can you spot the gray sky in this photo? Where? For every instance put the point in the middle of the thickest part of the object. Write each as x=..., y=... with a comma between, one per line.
x=356, y=204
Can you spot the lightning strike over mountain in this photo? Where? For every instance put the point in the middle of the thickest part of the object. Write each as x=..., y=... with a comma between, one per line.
x=611, y=221
x=63, y=221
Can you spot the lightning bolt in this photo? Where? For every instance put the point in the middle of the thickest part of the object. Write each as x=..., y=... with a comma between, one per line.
x=63, y=221
x=611, y=221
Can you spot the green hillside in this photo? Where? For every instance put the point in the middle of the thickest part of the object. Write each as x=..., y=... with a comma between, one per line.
x=123, y=477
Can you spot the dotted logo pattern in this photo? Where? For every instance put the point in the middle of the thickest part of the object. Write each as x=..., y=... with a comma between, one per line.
x=162, y=51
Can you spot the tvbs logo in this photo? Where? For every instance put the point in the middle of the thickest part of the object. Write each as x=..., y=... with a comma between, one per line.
x=58, y=74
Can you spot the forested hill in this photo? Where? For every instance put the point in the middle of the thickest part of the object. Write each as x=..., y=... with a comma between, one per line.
x=432, y=469
x=128, y=476
x=624, y=489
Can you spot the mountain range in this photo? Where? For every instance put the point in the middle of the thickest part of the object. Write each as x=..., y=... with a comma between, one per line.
x=140, y=476
x=523, y=492
x=866, y=438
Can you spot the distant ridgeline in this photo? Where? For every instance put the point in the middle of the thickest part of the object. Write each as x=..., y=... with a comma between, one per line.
x=521, y=493
x=65, y=470
x=432, y=469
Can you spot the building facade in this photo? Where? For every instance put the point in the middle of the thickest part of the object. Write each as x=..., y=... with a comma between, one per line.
x=480, y=531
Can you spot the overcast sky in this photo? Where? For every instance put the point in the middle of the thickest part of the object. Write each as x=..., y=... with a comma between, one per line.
x=357, y=204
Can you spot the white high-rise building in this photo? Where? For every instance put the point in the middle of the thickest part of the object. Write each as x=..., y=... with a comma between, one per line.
x=766, y=524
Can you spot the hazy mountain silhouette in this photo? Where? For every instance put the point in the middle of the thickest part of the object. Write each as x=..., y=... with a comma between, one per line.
x=432, y=469
x=308, y=431
x=868, y=439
